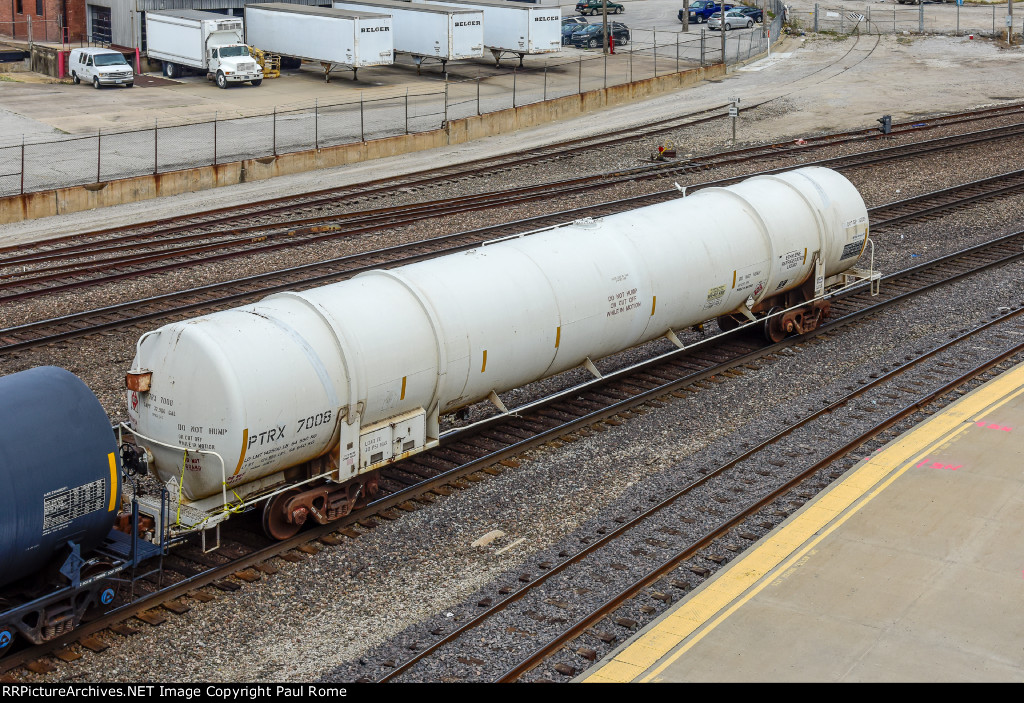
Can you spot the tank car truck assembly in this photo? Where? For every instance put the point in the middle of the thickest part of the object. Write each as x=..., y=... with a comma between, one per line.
x=291, y=405
x=429, y=32
x=61, y=558
x=328, y=36
x=514, y=28
x=207, y=42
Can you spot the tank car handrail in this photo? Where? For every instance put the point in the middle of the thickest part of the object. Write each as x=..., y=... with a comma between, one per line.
x=186, y=450
x=243, y=503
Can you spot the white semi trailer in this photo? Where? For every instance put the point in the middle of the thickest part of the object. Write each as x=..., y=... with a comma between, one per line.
x=429, y=32
x=514, y=27
x=331, y=37
x=207, y=42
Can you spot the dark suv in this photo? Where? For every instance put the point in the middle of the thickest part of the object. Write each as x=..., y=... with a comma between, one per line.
x=593, y=35
x=700, y=10
x=593, y=7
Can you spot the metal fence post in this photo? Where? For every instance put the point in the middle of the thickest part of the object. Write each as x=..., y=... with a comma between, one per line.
x=654, y=40
x=702, y=48
x=677, y=52
x=445, y=98
x=362, y=132
x=478, y=96
x=958, y=19
x=630, y=63
x=316, y=124
x=406, y=110
x=156, y=144
x=215, y=138
x=514, y=87
x=545, y=83
x=993, y=22
x=274, y=131
x=816, y=17
x=606, y=71
x=99, y=141
x=579, y=77
x=842, y=22
x=22, y=163
x=920, y=17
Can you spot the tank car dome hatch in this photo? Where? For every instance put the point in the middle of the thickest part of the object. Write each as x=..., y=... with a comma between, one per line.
x=59, y=469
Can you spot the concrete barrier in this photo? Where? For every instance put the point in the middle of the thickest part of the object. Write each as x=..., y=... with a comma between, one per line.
x=127, y=190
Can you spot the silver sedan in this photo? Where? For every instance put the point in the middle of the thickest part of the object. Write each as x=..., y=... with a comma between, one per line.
x=733, y=20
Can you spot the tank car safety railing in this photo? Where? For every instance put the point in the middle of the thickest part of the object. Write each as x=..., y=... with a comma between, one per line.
x=211, y=520
x=855, y=280
x=873, y=277
x=228, y=508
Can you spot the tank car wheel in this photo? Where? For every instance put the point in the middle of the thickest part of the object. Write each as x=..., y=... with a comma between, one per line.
x=275, y=522
x=774, y=332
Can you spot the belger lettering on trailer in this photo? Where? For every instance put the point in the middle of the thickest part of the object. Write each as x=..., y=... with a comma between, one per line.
x=545, y=19
x=375, y=29
x=466, y=24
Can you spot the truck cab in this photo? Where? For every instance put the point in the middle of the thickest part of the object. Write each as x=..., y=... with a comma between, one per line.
x=100, y=67
x=701, y=10
x=233, y=63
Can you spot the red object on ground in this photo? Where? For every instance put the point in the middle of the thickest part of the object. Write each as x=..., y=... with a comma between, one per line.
x=611, y=44
x=60, y=64
x=138, y=61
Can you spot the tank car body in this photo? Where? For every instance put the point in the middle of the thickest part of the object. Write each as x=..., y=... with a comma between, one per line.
x=60, y=491
x=323, y=387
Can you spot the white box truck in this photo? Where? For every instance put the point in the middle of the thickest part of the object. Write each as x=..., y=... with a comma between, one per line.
x=429, y=32
x=333, y=38
x=207, y=42
x=515, y=27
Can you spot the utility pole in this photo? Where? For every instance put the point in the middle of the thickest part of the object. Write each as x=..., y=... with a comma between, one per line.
x=1009, y=23
x=686, y=15
x=604, y=19
x=721, y=29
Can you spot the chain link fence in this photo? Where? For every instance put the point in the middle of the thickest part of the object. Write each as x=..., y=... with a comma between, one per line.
x=924, y=17
x=104, y=156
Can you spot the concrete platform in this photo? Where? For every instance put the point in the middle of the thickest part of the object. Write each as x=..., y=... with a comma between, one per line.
x=909, y=568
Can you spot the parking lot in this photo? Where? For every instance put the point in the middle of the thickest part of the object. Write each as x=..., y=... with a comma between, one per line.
x=65, y=108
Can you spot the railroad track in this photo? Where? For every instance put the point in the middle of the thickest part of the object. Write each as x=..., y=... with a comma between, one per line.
x=65, y=264
x=222, y=295
x=468, y=455
x=233, y=215
x=660, y=537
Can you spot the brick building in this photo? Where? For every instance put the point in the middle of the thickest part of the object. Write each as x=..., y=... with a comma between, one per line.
x=43, y=20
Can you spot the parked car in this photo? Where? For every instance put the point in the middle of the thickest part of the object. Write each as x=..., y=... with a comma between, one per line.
x=734, y=19
x=593, y=35
x=595, y=7
x=700, y=10
x=100, y=67
x=570, y=25
x=751, y=12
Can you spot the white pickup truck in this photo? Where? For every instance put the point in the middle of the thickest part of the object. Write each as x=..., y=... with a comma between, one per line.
x=207, y=42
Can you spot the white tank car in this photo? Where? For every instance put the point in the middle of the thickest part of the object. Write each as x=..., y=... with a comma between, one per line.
x=322, y=387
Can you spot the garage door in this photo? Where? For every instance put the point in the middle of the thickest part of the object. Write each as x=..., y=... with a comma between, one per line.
x=99, y=21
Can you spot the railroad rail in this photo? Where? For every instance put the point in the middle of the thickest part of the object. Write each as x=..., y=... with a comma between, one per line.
x=465, y=454
x=221, y=295
x=66, y=263
x=367, y=190
x=777, y=451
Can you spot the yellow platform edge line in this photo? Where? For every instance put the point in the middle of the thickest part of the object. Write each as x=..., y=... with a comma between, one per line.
x=748, y=575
